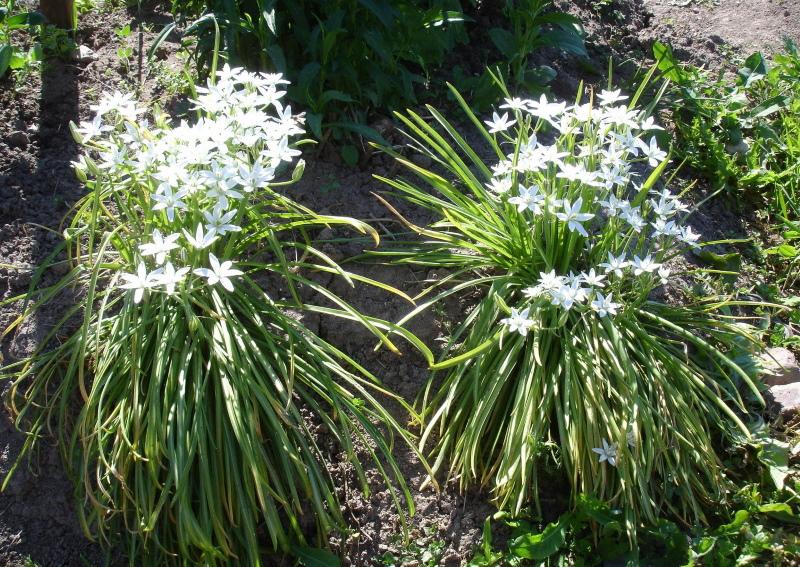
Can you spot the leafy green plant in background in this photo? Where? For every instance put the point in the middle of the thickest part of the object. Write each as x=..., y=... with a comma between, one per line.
x=57, y=42
x=532, y=25
x=352, y=61
x=346, y=58
x=11, y=20
x=568, y=362
x=196, y=413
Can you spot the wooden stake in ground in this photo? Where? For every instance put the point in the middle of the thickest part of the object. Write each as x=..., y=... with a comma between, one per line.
x=58, y=12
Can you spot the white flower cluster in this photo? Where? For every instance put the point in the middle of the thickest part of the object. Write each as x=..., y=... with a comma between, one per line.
x=190, y=181
x=582, y=194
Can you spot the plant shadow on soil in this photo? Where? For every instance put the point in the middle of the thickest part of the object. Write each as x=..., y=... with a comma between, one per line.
x=38, y=187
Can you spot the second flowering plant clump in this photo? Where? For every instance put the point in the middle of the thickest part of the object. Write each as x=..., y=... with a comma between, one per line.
x=184, y=400
x=567, y=362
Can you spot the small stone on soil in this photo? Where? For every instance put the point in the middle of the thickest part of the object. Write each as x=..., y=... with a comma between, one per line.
x=784, y=400
x=84, y=54
x=17, y=140
x=780, y=366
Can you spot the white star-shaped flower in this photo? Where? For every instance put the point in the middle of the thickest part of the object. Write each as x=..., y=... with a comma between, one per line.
x=518, y=322
x=219, y=272
x=593, y=279
x=499, y=123
x=604, y=305
x=610, y=97
x=219, y=223
x=573, y=216
x=529, y=198
x=169, y=277
x=615, y=264
x=644, y=265
x=200, y=239
x=607, y=453
x=160, y=246
x=139, y=282
x=653, y=153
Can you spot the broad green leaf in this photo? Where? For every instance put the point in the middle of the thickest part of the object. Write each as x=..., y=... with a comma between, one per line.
x=736, y=524
x=18, y=60
x=775, y=455
x=306, y=79
x=314, y=121
x=505, y=41
x=785, y=250
x=6, y=52
x=278, y=58
x=24, y=20
x=268, y=14
x=755, y=68
x=331, y=95
x=384, y=11
x=704, y=546
x=362, y=130
x=349, y=154
x=566, y=40
x=780, y=511
x=770, y=106
x=731, y=261
x=564, y=20
x=540, y=546
x=666, y=62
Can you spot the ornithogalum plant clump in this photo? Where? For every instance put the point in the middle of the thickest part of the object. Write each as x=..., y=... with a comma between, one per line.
x=567, y=361
x=196, y=413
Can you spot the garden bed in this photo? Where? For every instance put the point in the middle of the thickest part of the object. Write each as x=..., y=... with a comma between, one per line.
x=37, y=189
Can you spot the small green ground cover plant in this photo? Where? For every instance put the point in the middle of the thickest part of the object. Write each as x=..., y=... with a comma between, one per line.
x=182, y=386
x=12, y=21
x=743, y=133
x=756, y=525
x=568, y=363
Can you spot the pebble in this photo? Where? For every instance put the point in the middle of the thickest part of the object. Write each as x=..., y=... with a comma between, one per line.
x=17, y=139
x=780, y=367
x=784, y=400
x=84, y=54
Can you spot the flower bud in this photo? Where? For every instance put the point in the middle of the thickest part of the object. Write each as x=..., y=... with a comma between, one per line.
x=73, y=128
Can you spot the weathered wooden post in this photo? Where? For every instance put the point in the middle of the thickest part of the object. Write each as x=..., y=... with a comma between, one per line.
x=58, y=12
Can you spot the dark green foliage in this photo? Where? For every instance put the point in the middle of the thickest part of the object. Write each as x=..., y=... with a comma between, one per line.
x=345, y=58
x=760, y=529
x=352, y=60
x=529, y=27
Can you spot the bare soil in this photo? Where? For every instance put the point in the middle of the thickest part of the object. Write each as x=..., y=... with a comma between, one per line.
x=37, y=188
